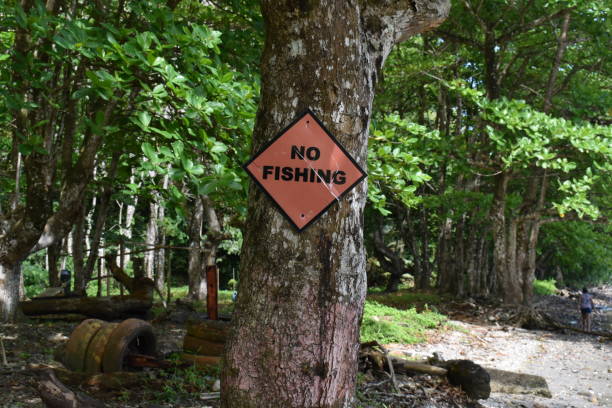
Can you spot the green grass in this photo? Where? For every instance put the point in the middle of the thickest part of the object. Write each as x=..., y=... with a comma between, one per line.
x=386, y=324
x=545, y=287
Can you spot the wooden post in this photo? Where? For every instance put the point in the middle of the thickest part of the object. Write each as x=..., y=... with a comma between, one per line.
x=212, y=279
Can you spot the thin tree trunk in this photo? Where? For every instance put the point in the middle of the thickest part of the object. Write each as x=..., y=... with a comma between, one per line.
x=10, y=276
x=53, y=257
x=561, y=47
x=96, y=240
x=151, y=240
x=425, y=280
x=196, y=269
x=459, y=259
x=160, y=254
x=128, y=225
x=443, y=257
x=78, y=250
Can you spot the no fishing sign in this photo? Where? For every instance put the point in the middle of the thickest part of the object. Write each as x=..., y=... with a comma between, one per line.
x=304, y=170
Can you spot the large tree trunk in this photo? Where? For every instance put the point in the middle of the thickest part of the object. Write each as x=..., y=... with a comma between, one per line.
x=295, y=336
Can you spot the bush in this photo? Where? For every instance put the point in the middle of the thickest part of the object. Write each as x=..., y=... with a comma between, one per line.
x=386, y=324
x=35, y=277
x=545, y=287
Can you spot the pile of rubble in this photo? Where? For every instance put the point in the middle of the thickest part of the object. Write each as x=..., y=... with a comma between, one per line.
x=432, y=383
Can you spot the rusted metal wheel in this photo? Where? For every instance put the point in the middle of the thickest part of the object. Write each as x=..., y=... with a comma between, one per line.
x=132, y=336
x=78, y=343
x=95, y=351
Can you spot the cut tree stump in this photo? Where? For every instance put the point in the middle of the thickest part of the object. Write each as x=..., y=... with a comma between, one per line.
x=205, y=341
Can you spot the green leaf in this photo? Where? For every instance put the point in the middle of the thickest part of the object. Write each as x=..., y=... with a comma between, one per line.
x=145, y=119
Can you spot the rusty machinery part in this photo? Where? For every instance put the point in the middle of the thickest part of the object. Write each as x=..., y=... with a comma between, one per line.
x=95, y=351
x=132, y=336
x=78, y=343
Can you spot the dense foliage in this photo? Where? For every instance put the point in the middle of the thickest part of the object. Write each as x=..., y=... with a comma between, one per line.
x=490, y=136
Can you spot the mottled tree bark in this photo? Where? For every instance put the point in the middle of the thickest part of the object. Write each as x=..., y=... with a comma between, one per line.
x=9, y=291
x=295, y=335
x=151, y=240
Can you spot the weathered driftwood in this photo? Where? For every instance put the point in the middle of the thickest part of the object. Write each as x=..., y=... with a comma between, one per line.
x=402, y=365
x=532, y=319
x=108, y=308
x=139, y=286
x=54, y=394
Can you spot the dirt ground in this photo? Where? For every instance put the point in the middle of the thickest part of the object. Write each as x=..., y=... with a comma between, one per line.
x=577, y=367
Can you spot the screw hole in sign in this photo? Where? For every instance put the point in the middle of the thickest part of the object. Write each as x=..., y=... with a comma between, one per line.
x=302, y=215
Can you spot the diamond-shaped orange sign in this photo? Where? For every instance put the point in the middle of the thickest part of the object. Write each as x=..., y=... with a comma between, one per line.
x=304, y=170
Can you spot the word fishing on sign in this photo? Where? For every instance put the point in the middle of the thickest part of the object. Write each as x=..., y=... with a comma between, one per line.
x=304, y=174
x=304, y=170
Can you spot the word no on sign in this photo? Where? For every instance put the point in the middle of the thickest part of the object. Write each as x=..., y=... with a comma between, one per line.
x=304, y=170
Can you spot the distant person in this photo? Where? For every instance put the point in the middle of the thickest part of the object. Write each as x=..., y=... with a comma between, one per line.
x=586, y=307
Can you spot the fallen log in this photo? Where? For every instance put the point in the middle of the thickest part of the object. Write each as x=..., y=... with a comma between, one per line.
x=107, y=308
x=103, y=381
x=201, y=361
x=54, y=394
x=509, y=382
x=404, y=366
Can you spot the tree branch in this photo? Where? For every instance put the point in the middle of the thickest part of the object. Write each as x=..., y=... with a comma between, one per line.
x=513, y=32
x=401, y=19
